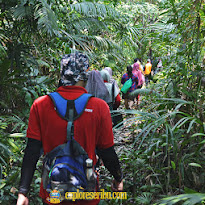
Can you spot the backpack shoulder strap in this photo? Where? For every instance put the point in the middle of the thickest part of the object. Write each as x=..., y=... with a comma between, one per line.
x=80, y=104
x=113, y=92
x=69, y=110
x=61, y=104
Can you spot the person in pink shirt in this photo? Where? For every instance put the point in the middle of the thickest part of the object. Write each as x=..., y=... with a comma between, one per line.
x=141, y=79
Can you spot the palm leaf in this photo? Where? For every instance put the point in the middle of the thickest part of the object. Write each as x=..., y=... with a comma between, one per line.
x=186, y=199
x=149, y=92
x=46, y=19
x=95, y=10
x=22, y=11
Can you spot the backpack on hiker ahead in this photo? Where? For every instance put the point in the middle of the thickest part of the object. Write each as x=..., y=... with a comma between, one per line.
x=64, y=167
x=126, y=86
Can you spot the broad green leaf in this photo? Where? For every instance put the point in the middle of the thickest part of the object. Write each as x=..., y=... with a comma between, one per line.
x=195, y=165
x=198, y=134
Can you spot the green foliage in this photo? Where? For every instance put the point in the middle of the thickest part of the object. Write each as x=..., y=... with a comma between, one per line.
x=169, y=126
x=184, y=199
x=9, y=162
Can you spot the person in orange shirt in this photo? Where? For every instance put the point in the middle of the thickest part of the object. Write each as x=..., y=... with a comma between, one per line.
x=147, y=72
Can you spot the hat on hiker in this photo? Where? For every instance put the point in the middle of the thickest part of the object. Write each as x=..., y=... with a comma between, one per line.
x=105, y=75
x=74, y=68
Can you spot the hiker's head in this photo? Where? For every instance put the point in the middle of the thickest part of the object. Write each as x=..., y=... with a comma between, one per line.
x=148, y=60
x=129, y=70
x=105, y=75
x=135, y=67
x=136, y=59
x=109, y=70
x=74, y=68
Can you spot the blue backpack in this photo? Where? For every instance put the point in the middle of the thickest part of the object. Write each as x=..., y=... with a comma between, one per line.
x=64, y=167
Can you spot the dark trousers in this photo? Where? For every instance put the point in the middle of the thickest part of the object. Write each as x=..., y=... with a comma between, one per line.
x=148, y=78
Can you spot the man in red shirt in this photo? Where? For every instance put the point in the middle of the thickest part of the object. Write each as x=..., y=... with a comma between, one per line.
x=47, y=130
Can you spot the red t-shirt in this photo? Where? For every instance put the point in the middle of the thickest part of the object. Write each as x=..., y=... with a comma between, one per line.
x=92, y=129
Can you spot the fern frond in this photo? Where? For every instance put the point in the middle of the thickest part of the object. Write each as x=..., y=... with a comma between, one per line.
x=185, y=199
x=47, y=21
x=95, y=10
x=137, y=92
x=22, y=11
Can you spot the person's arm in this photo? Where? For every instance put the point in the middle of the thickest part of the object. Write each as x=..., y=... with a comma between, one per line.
x=111, y=162
x=31, y=156
x=104, y=145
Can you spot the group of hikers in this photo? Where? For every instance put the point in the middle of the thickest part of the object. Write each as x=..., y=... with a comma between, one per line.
x=73, y=125
x=101, y=84
x=139, y=76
